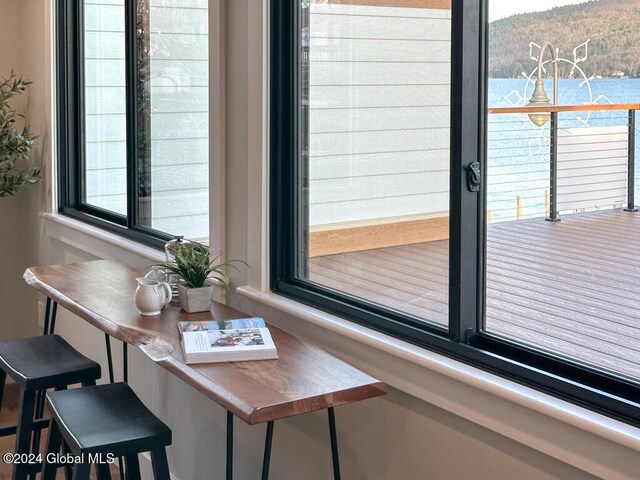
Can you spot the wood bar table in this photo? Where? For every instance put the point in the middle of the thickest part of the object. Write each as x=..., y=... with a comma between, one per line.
x=304, y=379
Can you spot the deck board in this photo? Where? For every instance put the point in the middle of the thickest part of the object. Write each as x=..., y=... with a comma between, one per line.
x=569, y=287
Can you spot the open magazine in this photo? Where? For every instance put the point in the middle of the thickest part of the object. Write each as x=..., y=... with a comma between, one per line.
x=226, y=341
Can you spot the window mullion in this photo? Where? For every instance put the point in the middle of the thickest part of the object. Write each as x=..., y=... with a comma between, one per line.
x=465, y=255
x=131, y=80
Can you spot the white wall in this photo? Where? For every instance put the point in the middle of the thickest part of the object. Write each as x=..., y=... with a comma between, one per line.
x=395, y=437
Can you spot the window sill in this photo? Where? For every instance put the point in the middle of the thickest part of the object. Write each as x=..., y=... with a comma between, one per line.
x=587, y=440
x=99, y=242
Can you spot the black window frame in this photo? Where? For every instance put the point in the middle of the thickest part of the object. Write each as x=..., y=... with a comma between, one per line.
x=465, y=339
x=70, y=149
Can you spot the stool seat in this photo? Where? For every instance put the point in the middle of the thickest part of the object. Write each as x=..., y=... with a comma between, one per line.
x=46, y=361
x=106, y=419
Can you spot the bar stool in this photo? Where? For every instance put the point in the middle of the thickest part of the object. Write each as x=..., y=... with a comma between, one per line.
x=37, y=364
x=101, y=423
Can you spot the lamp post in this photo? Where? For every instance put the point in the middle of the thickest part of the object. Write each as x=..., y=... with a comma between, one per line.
x=539, y=97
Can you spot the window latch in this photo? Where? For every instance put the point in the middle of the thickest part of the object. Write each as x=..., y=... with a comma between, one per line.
x=473, y=177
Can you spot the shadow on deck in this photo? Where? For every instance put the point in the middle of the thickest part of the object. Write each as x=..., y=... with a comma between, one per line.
x=569, y=287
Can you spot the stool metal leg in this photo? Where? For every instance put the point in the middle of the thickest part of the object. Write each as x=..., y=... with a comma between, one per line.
x=229, y=445
x=334, y=443
x=23, y=434
x=133, y=467
x=267, y=451
x=160, y=464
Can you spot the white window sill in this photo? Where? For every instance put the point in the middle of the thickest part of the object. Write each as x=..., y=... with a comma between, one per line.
x=109, y=245
x=595, y=443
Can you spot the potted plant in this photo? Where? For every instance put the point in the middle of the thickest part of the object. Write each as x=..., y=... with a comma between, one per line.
x=15, y=144
x=194, y=264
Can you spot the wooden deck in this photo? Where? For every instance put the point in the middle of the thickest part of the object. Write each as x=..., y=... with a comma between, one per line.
x=571, y=287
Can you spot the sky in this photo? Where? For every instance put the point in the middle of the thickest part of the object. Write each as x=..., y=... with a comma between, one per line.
x=505, y=8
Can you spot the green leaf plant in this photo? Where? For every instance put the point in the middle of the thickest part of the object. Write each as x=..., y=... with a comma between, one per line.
x=195, y=264
x=15, y=144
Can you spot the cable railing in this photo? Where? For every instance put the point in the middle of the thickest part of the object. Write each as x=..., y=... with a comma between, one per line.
x=583, y=159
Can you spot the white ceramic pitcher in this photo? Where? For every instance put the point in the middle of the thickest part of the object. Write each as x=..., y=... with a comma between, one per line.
x=151, y=296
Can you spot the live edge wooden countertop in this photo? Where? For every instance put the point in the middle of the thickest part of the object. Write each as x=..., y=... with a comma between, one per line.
x=304, y=379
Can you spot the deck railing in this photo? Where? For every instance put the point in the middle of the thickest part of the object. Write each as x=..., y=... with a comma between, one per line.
x=582, y=159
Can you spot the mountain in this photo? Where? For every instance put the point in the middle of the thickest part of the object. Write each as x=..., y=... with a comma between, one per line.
x=612, y=26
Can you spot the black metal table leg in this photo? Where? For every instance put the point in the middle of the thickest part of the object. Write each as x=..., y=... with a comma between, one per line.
x=229, y=445
x=47, y=310
x=125, y=363
x=267, y=451
x=334, y=443
x=54, y=314
x=107, y=341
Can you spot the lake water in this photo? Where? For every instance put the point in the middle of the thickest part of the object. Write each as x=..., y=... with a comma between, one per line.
x=518, y=151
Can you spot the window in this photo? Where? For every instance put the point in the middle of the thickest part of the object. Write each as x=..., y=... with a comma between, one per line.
x=133, y=96
x=391, y=205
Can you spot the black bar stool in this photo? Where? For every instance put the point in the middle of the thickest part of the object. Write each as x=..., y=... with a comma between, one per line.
x=37, y=364
x=101, y=423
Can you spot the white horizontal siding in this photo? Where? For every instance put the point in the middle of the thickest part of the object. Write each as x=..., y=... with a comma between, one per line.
x=180, y=151
x=355, y=119
x=178, y=46
x=353, y=166
x=104, y=73
x=170, y=126
x=105, y=155
x=179, y=73
x=379, y=122
x=379, y=96
x=105, y=100
x=387, y=73
x=180, y=179
x=351, y=143
x=386, y=12
x=378, y=186
x=178, y=81
x=384, y=207
x=186, y=99
x=178, y=20
x=373, y=50
x=592, y=167
x=383, y=27
x=104, y=17
x=104, y=45
x=180, y=204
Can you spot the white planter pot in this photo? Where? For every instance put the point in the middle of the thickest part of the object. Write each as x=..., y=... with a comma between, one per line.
x=194, y=300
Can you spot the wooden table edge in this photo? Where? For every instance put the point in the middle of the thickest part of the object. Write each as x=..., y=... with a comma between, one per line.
x=159, y=352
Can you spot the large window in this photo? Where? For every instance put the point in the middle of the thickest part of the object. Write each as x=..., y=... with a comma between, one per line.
x=133, y=80
x=407, y=198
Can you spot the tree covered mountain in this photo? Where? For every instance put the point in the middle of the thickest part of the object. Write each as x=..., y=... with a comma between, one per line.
x=611, y=26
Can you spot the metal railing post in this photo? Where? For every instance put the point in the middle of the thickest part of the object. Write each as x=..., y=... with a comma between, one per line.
x=553, y=170
x=631, y=172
